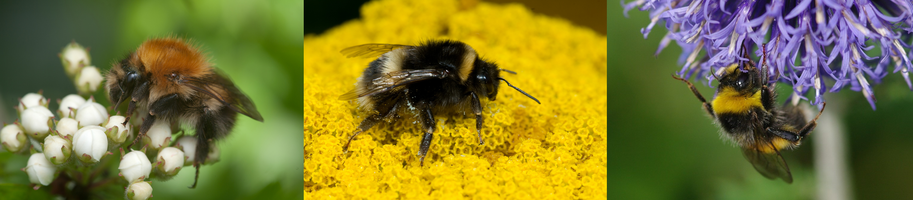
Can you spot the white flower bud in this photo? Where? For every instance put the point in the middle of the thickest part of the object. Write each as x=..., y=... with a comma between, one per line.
x=139, y=191
x=37, y=121
x=74, y=57
x=117, y=132
x=139, y=117
x=158, y=135
x=169, y=161
x=40, y=170
x=135, y=166
x=189, y=145
x=213, y=155
x=13, y=138
x=66, y=127
x=31, y=100
x=70, y=101
x=90, y=144
x=91, y=113
x=56, y=149
x=88, y=80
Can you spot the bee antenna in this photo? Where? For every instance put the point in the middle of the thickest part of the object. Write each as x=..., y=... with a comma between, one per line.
x=508, y=71
x=116, y=104
x=521, y=91
x=714, y=74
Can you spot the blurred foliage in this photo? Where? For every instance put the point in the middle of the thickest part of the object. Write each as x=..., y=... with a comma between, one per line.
x=257, y=43
x=663, y=146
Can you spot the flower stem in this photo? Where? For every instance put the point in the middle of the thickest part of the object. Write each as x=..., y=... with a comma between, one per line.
x=830, y=154
x=98, y=167
x=102, y=183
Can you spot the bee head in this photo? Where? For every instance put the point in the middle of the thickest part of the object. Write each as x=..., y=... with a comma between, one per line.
x=748, y=80
x=121, y=81
x=486, y=80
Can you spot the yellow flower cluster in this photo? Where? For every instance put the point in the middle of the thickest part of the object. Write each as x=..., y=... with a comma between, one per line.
x=553, y=150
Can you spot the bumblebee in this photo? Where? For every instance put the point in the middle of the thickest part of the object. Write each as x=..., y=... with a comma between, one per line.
x=175, y=82
x=744, y=109
x=435, y=78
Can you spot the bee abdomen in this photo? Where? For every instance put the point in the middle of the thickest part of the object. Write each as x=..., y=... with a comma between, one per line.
x=737, y=123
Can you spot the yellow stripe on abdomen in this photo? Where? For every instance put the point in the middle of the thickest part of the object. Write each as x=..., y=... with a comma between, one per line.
x=778, y=143
x=729, y=101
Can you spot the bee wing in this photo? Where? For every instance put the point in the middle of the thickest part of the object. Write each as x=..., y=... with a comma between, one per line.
x=771, y=165
x=392, y=80
x=371, y=50
x=236, y=100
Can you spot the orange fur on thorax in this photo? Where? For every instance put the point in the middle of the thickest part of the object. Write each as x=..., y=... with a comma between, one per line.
x=162, y=57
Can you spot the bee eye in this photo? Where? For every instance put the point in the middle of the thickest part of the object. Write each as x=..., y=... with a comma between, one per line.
x=742, y=82
x=130, y=77
x=126, y=86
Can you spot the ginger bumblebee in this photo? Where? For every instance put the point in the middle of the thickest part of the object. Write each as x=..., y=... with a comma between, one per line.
x=175, y=82
x=744, y=108
x=435, y=78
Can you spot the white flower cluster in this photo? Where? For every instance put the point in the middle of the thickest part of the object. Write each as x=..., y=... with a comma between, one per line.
x=81, y=134
x=76, y=62
x=86, y=131
x=77, y=131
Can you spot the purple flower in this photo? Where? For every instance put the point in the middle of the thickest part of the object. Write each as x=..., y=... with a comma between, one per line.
x=814, y=45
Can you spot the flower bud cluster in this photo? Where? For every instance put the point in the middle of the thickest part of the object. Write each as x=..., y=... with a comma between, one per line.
x=85, y=134
x=55, y=142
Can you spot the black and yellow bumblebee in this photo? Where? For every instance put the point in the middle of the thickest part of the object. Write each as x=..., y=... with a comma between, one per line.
x=442, y=78
x=744, y=108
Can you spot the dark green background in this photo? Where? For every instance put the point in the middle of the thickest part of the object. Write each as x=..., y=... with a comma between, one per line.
x=257, y=43
x=663, y=146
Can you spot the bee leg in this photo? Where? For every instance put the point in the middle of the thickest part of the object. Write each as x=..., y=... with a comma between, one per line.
x=211, y=126
x=164, y=108
x=428, y=124
x=788, y=135
x=767, y=97
x=364, y=126
x=369, y=122
x=196, y=176
x=202, y=153
x=707, y=106
x=798, y=135
x=167, y=106
x=477, y=109
x=130, y=108
x=139, y=94
x=811, y=124
x=147, y=124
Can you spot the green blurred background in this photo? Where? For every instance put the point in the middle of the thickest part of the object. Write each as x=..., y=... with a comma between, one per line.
x=662, y=145
x=257, y=43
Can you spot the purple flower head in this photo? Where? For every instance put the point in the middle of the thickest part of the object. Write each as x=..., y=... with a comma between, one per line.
x=814, y=45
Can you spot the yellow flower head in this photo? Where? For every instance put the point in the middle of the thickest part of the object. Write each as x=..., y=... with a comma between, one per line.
x=554, y=150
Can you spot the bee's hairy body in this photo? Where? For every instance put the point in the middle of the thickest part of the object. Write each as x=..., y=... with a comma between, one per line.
x=175, y=83
x=435, y=78
x=744, y=108
x=441, y=95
